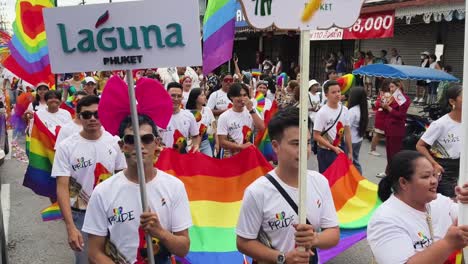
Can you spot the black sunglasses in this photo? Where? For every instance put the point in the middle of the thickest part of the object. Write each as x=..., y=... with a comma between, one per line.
x=89, y=114
x=145, y=139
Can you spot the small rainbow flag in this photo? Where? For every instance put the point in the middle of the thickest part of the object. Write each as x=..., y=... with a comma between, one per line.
x=52, y=213
x=262, y=140
x=282, y=79
x=215, y=190
x=256, y=72
x=355, y=200
x=260, y=98
x=346, y=82
x=41, y=158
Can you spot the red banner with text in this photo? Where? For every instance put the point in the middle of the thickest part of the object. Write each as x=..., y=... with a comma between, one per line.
x=371, y=26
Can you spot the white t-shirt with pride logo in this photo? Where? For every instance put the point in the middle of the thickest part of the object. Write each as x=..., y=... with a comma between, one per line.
x=397, y=231
x=52, y=120
x=218, y=100
x=115, y=207
x=87, y=163
x=325, y=118
x=444, y=137
x=235, y=125
x=184, y=122
x=264, y=207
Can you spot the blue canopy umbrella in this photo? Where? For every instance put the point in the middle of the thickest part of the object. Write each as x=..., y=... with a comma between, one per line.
x=405, y=72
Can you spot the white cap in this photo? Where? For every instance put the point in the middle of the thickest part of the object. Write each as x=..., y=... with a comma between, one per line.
x=90, y=79
x=313, y=82
x=426, y=53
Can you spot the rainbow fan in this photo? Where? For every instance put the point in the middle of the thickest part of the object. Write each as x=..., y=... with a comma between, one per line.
x=346, y=82
x=260, y=98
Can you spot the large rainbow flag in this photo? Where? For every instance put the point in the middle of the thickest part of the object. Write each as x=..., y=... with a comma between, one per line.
x=29, y=55
x=262, y=139
x=218, y=33
x=41, y=158
x=215, y=190
x=355, y=200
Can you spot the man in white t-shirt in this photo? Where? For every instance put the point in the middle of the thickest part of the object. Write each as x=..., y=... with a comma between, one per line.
x=218, y=101
x=330, y=126
x=182, y=126
x=264, y=209
x=81, y=162
x=115, y=212
x=74, y=126
x=235, y=126
x=53, y=116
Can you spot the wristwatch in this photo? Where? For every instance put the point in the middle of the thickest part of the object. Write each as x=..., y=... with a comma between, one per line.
x=252, y=111
x=281, y=259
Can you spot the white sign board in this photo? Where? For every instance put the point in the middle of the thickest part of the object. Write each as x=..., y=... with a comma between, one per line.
x=329, y=34
x=125, y=35
x=286, y=14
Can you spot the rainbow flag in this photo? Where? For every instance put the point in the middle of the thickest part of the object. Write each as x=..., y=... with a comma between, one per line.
x=41, y=158
x=346, y=82
x=52, y=213
x=29, y=55
x=215, y=190
x=262, y=140
x=4, y=50
x=355, y=201
x=218, y=33
x=260, y=98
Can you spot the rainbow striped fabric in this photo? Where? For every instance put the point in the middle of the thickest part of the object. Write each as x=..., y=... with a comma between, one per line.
x=262, y=139
x=260, y=98
x=41, y=158
x=218, y=33
x=355, y=201
x=29, y=55
x=346, y=82
x=215, y=190
x=51, y=213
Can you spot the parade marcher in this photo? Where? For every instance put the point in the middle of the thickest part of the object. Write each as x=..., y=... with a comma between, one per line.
x=75, y=82
x=74, y=126
x=262, y=87
x=186, y=83
x=89, y=86
x=206, y=121
x=82, y=161
x=380, y=116
x=53, y=115
x=115, y=214
x=331, y=124
x=415, y=224
x=235, y=126
x=174, y=74
x=395, y=128
x=266, y=214
x=358, y=119
x=396, y=58
x=218, y=101
x=182, y=127
x=441, y=144
x=38, y=104
x=315, y=99
x=331, y=76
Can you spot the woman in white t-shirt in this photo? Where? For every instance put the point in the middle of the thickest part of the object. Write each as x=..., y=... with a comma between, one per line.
x=441, y=144
x=53, y=116
x=38, y=104
x=186, y=83
x=262, y=88
x=415, y=224
x=205, y=120
x=358, y=119
x=235, y=126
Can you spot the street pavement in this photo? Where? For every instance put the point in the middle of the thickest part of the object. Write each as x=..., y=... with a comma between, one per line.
x=32, y=241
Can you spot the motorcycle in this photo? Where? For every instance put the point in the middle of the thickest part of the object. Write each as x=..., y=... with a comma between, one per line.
x=416, y=125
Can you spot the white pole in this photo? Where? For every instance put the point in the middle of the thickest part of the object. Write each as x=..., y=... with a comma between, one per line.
x=303, y=117
x=139, y=156
x=463, y=211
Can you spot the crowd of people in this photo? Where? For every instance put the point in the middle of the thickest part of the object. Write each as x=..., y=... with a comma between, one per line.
x=219, y=115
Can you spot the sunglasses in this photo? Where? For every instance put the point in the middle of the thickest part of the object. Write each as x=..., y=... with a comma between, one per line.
x=175, y=96
x=89, y=114
x=145, y=139
x=228, y=80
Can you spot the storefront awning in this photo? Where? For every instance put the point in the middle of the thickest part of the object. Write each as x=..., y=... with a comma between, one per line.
x=432, y=12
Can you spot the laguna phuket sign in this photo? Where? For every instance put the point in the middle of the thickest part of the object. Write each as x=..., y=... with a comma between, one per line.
x=128, y=35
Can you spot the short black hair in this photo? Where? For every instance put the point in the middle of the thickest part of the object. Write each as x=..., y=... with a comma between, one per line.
x=174, y=85
x=283, y=119
x=327, y=85
x=52, y=94
x=87, y=101
x=235, y=90
x=142, y=120
x=384, y=52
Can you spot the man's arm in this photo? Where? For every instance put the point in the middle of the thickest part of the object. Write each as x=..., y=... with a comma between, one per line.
x=97, y=255
x=218, y=112
x=75, y=239
x=322, y=141
x=328, y=238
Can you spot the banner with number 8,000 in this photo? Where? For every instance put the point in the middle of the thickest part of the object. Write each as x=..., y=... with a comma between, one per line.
x=370, y=26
